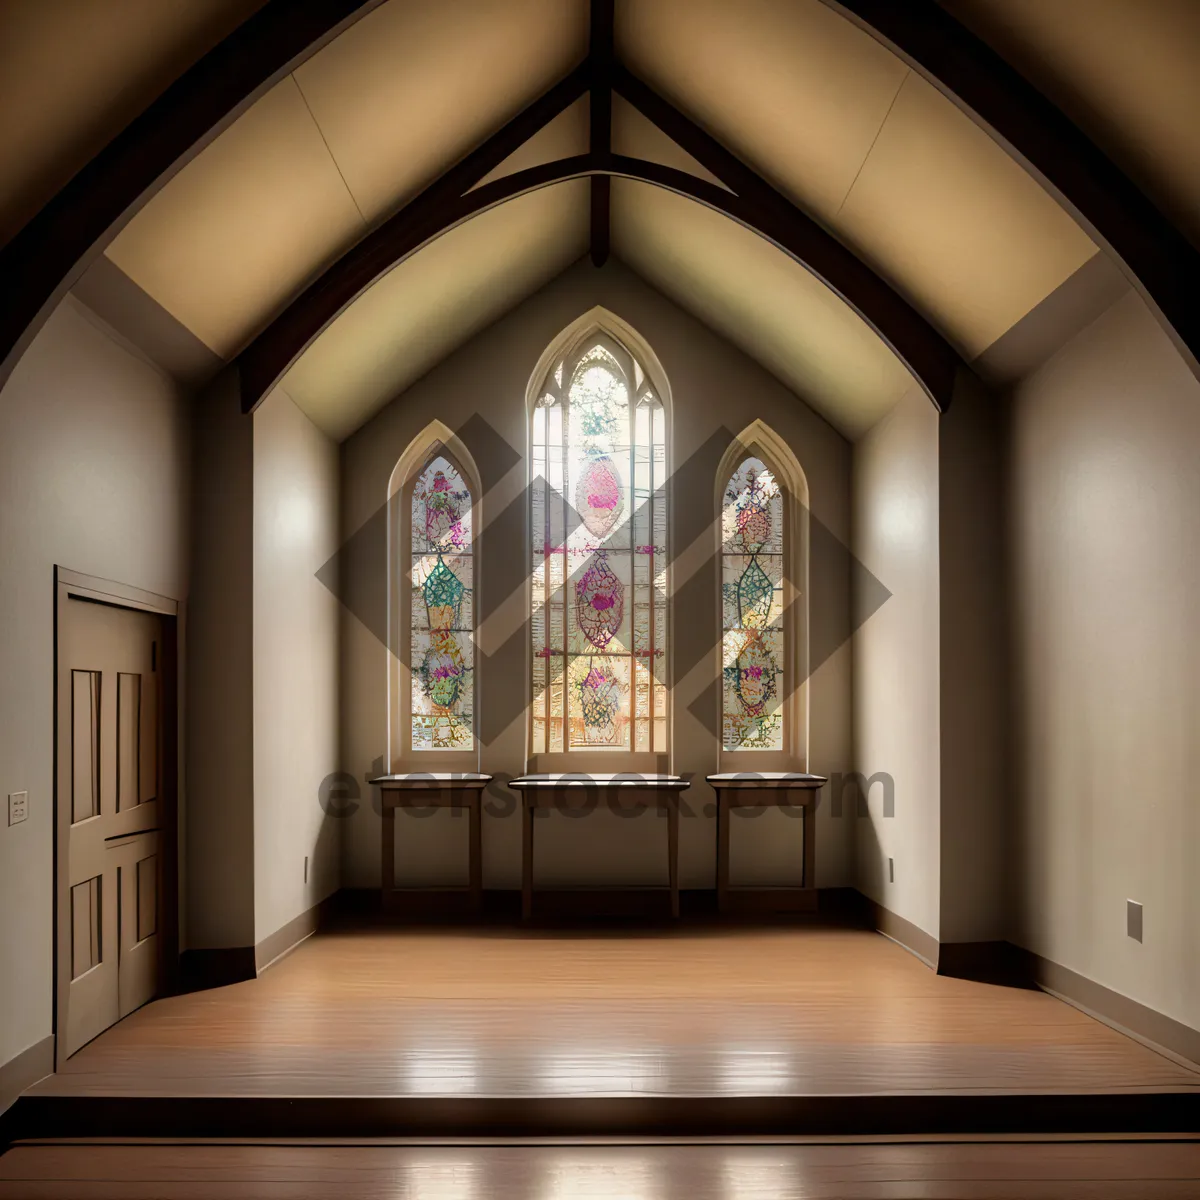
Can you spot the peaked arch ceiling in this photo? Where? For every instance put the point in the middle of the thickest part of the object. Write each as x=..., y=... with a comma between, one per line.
x=831, y=118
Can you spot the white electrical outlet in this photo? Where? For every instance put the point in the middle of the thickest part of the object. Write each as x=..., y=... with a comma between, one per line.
x=18, y=807
x=1133, y=919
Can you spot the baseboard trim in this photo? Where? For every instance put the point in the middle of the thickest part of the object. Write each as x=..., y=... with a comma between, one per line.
x=1136, y=1020
x=287, y=937
x=33, y=1063
x=901, y=931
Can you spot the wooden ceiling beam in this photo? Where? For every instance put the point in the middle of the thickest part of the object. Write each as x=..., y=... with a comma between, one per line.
x=46, y=257
x=601, y=59
x=444, y=204
x=758, y=205
x=266, y=360
x=1098, y=194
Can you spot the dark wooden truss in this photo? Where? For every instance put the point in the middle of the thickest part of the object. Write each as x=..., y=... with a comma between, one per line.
x=1101, y=197
x=45, y=258
x=746, y=198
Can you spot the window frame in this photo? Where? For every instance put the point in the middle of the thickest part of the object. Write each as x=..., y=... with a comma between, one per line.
x=436, y=442
x=643, y=373
x=761, y=442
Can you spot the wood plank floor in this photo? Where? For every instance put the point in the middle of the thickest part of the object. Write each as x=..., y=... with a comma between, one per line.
x=957, y=1170
x=698, y=1011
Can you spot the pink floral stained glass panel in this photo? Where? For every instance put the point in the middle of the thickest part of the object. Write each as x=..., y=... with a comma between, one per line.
x=752, y=650
x=442, y=613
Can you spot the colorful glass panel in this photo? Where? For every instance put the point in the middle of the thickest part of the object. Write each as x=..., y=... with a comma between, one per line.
x=442, y=613
x=599, y=519
x=752, y=692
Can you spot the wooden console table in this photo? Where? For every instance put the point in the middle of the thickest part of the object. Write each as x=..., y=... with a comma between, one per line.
x=576, y=790
x=431, y=789
x=775, y=789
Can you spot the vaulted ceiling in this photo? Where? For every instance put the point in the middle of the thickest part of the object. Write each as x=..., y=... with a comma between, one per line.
x=825, y=112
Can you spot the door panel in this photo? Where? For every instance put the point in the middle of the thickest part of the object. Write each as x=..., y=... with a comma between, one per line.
x=85, y=744
x=109, y=703
x=137, y=979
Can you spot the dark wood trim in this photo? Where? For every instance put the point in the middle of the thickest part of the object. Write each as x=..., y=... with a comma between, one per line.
x=596, y=1116
x=1104, y=200
x=265, y=361
x=33, y=1063
x=762, y=208
x=44, y=259
x=601, y=59
x=444, y=204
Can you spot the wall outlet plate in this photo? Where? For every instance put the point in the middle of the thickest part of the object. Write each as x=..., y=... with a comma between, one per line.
x=1133, y=919
x=18, y=807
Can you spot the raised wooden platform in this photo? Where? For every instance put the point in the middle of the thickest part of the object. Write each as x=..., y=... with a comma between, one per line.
x=693, y=1030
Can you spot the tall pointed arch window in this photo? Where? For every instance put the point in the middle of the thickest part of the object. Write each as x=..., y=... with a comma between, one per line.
x=437, y=609
x=753, y=651
x=599, y=537
x=762, y=518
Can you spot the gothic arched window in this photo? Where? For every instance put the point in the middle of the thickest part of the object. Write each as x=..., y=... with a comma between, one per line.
x=599, y=568
x=753, y=649
x=441, y=659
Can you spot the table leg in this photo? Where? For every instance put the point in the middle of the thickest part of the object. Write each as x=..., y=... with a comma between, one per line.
x=526, y=858
x=722, y=852
x=809, y=828
x=673, y=849
x=475, y=861
x=387, y=872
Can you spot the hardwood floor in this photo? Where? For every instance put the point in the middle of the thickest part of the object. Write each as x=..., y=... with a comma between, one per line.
x=955, y=1170
x=697, y=1030
x=712, y=1011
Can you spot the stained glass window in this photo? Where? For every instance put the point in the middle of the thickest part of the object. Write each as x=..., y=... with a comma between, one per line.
x=752, y=649
x=599, y=521
x=442, y=619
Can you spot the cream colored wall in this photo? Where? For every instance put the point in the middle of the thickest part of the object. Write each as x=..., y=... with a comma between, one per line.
x=93, y=477
x=295, y=663
x=897, y=661
x=712, y=384
x=1105, y=513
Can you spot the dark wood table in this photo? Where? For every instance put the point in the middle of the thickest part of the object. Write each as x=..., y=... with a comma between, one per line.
x=577, y=790
x=775, y=789
x=431, y=789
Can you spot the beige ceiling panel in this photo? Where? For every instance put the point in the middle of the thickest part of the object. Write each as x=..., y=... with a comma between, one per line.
x=568, y=134
x=433, y=302
x=639, y=137
x=791, y=87
x=74, y=73
x=228, y=241
x=953, y=221
x=1126, y=71
x=761, y=300
x=416, y=84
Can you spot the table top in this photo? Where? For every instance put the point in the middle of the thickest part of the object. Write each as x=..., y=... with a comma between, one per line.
x=766, y=779
x=603, y=779
x=416, y=780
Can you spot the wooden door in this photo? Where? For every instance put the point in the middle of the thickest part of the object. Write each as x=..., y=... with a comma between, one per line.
x=110, y=774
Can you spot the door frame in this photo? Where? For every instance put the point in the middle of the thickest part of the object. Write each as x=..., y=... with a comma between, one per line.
x=70, y=584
